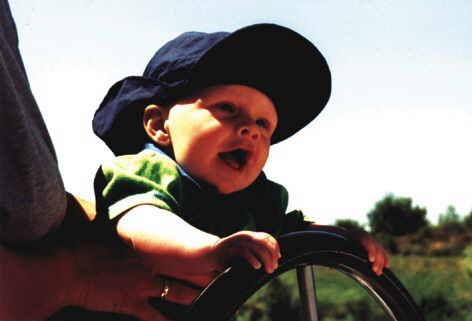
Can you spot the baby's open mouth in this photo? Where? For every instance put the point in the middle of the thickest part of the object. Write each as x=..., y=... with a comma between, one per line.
x=236, y=159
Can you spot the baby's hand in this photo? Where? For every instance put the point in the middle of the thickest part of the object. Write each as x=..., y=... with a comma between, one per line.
x=258, y=248
x=378, y=256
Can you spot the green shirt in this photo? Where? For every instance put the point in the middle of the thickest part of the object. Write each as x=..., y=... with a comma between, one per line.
x=153, y=178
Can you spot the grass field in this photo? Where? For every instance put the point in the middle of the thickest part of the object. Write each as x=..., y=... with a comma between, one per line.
x=442, y=287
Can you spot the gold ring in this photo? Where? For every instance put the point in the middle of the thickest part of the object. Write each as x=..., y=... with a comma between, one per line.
x=165, y=289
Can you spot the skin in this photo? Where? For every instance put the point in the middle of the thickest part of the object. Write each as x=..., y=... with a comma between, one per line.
x=35, y=284
x=219, y=119
x=377, y=255
x=160, y=243
x=196, y=131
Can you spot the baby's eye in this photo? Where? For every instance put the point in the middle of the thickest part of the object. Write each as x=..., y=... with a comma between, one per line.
x=226, y=107
x=262, y=123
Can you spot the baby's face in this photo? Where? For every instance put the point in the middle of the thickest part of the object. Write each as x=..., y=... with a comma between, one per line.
x=223, y=134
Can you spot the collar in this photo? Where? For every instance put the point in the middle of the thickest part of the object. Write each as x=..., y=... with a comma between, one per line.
x=150, y=146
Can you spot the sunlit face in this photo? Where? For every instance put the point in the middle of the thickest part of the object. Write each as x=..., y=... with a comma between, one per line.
x=222, y=135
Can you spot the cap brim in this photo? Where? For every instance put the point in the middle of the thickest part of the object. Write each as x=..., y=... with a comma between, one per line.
x=284, y=65
x=118, y=120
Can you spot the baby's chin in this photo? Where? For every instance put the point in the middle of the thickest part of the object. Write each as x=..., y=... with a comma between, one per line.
x=227, y=184
x=227, y=191
x=232, y=187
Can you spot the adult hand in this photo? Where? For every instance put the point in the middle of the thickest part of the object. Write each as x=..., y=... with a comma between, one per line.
x=121, y=284
x=85, y=273
x=119, y=280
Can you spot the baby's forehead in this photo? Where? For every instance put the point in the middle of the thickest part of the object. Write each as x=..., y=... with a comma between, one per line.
x=239, y=92
x=243, y=95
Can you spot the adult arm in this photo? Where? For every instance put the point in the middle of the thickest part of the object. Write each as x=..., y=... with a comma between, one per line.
x=36, y=276
x=80, y=272
x=32, y=195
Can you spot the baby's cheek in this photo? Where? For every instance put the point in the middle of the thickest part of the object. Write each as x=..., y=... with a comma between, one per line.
x=265, y=157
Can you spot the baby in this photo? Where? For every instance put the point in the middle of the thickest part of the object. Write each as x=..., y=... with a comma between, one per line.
x=192, y=136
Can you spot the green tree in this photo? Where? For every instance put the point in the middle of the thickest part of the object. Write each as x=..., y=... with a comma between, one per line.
x=396, y=216
x=450, y=217
x=468, y=220
x=450, y=222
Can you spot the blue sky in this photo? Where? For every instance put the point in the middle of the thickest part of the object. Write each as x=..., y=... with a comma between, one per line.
x=399, y=119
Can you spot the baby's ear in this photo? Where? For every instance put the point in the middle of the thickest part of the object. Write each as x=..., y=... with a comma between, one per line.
x=154, y=120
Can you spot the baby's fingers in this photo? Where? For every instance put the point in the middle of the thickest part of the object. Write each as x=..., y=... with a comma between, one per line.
x=251, y=258
x=261, y=249
x=257, y=248
x=378, y=265
x=380, y=260
x=376, y=254
x=371, y=250
x=267, y=258
x=268, y=250
x=257, y=256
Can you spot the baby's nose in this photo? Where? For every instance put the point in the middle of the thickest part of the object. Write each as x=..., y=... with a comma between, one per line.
x=249, y=130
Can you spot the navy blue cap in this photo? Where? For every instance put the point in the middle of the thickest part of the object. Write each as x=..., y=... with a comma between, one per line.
x=281, y=63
